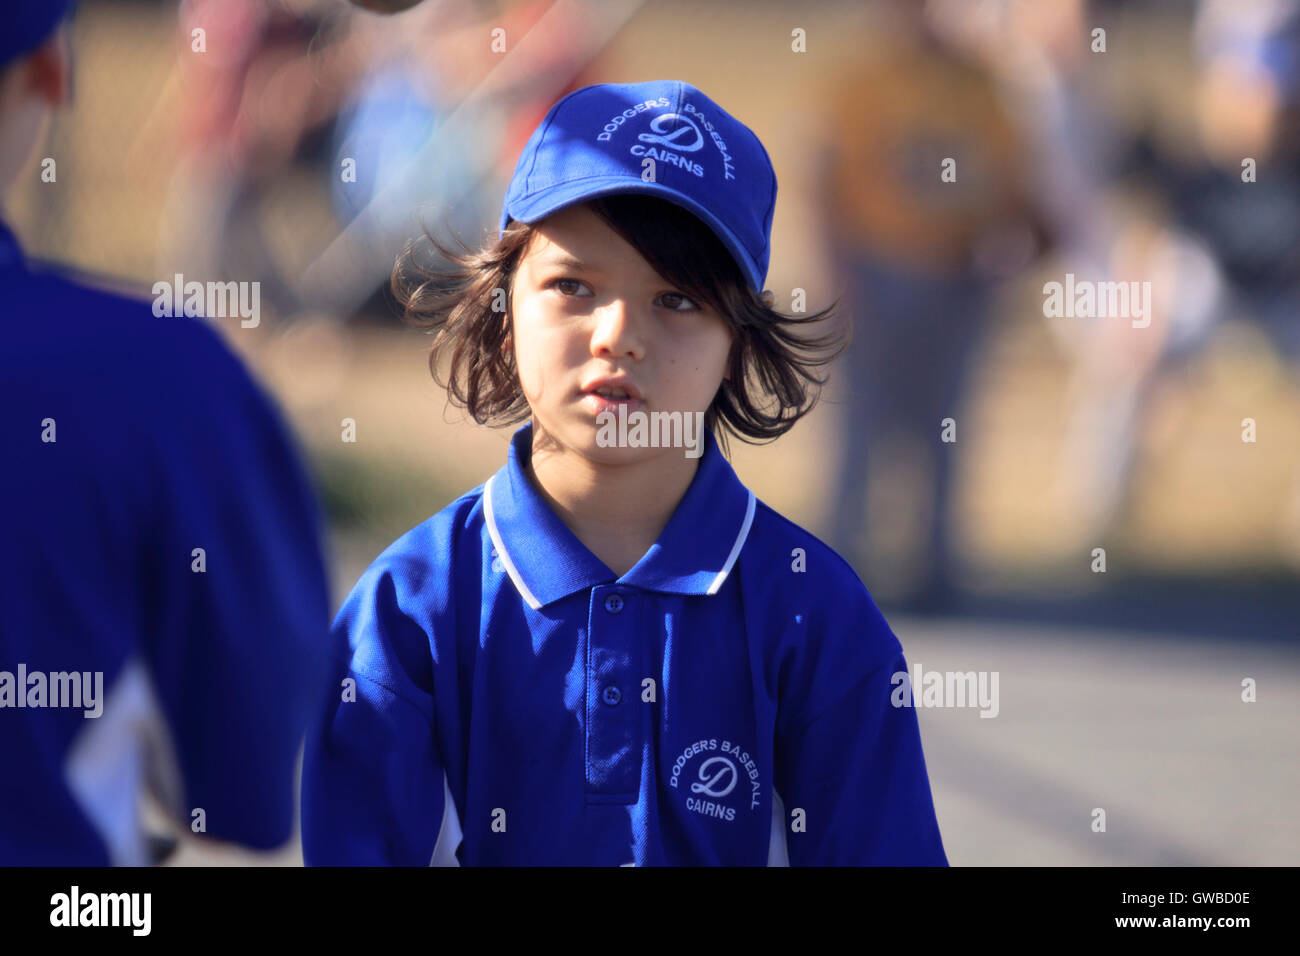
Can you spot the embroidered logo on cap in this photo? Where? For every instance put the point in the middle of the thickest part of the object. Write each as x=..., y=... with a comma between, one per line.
x=669, y=135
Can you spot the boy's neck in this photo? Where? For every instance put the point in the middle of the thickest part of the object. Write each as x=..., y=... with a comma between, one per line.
x=616, y=511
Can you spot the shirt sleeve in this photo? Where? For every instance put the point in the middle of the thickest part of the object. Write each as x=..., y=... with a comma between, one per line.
x=373, y=789
x=851, y=773
x=237, y=651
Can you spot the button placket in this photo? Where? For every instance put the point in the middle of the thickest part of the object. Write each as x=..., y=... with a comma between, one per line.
x=613, y=764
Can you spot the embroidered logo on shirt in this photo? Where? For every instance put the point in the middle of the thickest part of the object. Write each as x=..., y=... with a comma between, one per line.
x=718, y=783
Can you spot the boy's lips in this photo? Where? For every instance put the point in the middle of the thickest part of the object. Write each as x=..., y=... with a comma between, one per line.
x=599, y=403
x=614, y=383
x=596, y=403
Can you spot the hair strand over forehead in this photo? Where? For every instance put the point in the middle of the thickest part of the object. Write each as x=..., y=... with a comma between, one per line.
x=466, y=298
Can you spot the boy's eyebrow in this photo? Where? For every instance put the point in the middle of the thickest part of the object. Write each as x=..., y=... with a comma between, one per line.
x=565, y=260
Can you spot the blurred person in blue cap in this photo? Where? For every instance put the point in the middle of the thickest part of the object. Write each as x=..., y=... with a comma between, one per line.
x=611, y=653
x=164, y=598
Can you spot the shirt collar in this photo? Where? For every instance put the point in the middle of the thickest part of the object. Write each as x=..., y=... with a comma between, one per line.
x=546, y=561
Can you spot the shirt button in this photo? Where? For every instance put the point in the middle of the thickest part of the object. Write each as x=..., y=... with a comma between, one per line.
x=613, y=604
x=612, y=695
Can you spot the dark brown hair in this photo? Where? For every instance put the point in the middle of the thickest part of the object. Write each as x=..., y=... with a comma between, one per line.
x=772, y=365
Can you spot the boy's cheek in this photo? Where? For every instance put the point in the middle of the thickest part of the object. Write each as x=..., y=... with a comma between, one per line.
x=538, y=380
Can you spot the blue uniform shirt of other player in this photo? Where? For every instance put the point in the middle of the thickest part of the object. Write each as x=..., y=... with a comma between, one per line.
x=130, y=441
x=506, y=699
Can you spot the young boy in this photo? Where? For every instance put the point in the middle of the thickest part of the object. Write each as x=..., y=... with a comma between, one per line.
x=611, y=652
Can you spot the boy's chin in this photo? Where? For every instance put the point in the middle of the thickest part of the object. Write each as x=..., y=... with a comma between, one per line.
x=606, y=454
x=599, y=443
x=590, y=441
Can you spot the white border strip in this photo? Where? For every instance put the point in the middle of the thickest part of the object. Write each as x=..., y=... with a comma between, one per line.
x=735, y=548
x=504, y=555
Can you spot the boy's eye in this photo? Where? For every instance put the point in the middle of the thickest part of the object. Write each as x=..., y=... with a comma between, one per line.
x=674, y=301
x=679, y=298
x=563, y=284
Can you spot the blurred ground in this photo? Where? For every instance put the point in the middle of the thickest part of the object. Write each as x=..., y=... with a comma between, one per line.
x=1150, y=728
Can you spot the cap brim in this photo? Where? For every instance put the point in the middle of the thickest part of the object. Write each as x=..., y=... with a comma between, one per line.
x=548, y=201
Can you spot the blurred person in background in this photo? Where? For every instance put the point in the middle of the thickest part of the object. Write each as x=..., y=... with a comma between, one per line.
x=260, y=102
x=1247, y=107
x=919, y=258
x=1218, y=241
x=164, y=596
x=1166, y=207
x=413, y=74
x=1108, y=228
x=336, y=108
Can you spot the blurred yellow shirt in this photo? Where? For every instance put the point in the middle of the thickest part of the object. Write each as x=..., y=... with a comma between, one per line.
x=894, y=117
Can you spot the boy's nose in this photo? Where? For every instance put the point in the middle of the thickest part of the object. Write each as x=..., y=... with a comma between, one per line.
x=617, y=333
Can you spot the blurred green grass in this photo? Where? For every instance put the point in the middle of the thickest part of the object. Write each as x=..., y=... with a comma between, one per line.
x=371, y=496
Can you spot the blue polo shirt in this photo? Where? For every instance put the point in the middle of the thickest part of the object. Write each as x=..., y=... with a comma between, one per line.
x=504, y=698
x=132, y=442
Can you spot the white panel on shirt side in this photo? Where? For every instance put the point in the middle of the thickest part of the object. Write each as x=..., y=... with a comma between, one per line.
x=777, y=852
x=449, y=832
x=107, y=763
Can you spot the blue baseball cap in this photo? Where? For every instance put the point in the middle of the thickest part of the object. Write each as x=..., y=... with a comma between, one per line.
x=27, y=24
x=595, y=142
